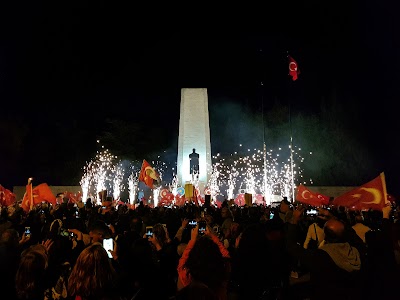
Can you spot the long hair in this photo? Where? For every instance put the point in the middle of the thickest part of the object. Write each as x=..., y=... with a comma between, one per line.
x=93, y=274
x=30, y=279
x=206, y=264
x=160, y=234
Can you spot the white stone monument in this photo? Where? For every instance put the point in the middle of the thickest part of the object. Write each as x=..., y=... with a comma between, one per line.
x=194, y=133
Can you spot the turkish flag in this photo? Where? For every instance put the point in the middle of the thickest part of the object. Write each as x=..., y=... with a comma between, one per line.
x=293, y=68
x=73, y=198
x=148, y=174
x=27, y=199
x=306, y=196
x=7, y=197
x=41, y=193
x=371, y=195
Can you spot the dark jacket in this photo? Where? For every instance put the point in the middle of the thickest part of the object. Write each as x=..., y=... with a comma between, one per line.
x=334, y=268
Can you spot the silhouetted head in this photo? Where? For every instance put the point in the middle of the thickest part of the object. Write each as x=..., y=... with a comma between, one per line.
x=334, y=231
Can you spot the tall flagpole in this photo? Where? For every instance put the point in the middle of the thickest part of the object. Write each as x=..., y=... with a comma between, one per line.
x=292, y=66
x=264, y=144
x=291, y=151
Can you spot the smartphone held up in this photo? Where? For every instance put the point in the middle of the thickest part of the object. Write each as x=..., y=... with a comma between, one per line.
x=108, y=245
x=149, y=231
x=27, y=231
x=202, y=227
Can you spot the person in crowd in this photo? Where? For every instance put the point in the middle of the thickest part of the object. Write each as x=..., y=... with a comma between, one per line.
x=93, y=276
x=360, y=228
x=167, y=256
x=143, y=277
x=285, y=211
x=196, y=291
x=33, y=279
x=182, y=237
x=227, y=220
x=315, y=233
x=334, y=267
x=10, y=251
x=381, y=272
x=259, y=249
x=205, y=260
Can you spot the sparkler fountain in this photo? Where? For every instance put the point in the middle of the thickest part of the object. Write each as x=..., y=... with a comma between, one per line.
x=133, y=184
x=268, y=174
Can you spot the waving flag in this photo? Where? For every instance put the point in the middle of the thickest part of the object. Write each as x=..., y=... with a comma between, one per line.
x=27, y=199
x=36, y=195
x=293, y=68
x=73, y=197
x=306, y=196
x=7, y=197
x=371, y=195
x=148, y=174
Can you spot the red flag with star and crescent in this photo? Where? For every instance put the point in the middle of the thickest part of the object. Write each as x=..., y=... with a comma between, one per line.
x=148, y=174
x=36, y=195
x=7, y=197
x=371, y=195
x=293, y=68
x=306, y=196
x=27, y=199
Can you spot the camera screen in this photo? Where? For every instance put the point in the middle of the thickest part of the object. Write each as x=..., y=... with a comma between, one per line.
x=149, y=230
x=192, y=223
x=202, y=227
x=64, y=232
x=108, y=244
x=27, y=231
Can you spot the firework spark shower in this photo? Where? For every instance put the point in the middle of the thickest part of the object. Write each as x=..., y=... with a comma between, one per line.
x=254, y=171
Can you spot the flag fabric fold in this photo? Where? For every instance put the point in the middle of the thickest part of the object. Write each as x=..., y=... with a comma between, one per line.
x=371, y=195
x=7, y=197
x=27, y=199
x=148, y=174
x=306, y=196
x=73, y=197
x=293, y=68
x=36, y=195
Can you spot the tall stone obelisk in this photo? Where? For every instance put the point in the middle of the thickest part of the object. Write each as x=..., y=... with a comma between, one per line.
x=194, y=133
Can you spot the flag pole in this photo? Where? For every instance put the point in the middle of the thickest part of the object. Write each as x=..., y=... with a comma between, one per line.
x=291, y=151
x=291, y=139
x=264, y=145
x=31, y=193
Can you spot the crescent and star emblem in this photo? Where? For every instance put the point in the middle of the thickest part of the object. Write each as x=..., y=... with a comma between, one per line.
x=150, y=172
x=375, y=193
x=164, y=193
x=304, y=193
x=292, y=66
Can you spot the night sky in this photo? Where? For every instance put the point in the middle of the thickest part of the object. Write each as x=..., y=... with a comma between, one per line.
x=75, y=72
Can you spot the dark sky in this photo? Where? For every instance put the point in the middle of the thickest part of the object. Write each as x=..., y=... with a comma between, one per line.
x=67, y=67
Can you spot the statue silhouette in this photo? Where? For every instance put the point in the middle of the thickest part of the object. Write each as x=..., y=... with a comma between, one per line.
x=194, y=162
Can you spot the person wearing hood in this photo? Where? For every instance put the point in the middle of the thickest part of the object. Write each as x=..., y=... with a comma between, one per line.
x=335, y=267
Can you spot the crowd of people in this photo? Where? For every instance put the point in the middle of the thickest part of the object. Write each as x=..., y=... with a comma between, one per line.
x=289, y=251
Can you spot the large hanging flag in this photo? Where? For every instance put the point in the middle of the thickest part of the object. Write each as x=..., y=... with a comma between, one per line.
x=306, y=196
x=371, y=195
x=7, y=197
x=294, y=70
x=148, y=174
